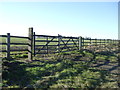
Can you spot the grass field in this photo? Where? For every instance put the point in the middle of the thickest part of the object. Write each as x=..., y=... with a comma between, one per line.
x=94, y=67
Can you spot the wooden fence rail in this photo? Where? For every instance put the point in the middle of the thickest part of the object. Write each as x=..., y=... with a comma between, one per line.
x=44, y=44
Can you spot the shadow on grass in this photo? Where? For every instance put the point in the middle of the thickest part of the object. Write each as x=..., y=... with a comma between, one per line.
x=14, y=73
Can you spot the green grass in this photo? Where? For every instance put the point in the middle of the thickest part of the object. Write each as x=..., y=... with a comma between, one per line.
x=63, y=70
x=19, y=40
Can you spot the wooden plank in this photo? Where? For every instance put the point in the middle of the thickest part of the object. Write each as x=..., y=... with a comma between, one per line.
x=70, y=37
x=3, y=51
x=45, y=41
x=42, y=53
x=44, y=45
x=87, y=42
x=19, y=50
x=99, y=42
x=56, y=52
x=68, y=44
x=3, y=43
x=19, y=37
x=3, y=35
x=19, y=43
x=46, y=36
x=44, y=49
x=70, y=41
x=86, y=38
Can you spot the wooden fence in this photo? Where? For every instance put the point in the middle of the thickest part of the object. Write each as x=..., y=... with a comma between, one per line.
x=8, y=44
x=45, y=44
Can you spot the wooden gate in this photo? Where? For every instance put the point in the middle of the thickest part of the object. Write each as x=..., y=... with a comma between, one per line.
x=68, y=43
x=45, y=44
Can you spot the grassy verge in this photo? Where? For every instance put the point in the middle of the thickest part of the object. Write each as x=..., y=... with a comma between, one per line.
x=75, y=69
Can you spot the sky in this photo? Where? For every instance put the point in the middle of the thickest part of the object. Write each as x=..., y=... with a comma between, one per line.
x=86, y=19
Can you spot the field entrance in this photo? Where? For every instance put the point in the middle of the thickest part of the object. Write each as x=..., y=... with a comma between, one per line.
x=45, y=44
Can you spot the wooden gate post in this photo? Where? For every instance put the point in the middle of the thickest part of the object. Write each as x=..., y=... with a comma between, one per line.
x=90, y=43
x=58, y=43
x=34, y=43
x=100, y=42
x=95, y=41
x=8, y=46
x=30, y=42
x=107, y=41
x=104, y=42
x=80, y=42
x=47, y=44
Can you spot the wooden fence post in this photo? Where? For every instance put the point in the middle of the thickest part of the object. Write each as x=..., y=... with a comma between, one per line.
x=47, y=44
x=100, y=42
x=83, y=44
x=30, y=42
x=34, y=43
x=96, y=41
x=119, y=62
x=90, y=43
x=107, y=41
x=58, y=43
x=80, y=42
x=104, y=41
x=8, y=46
